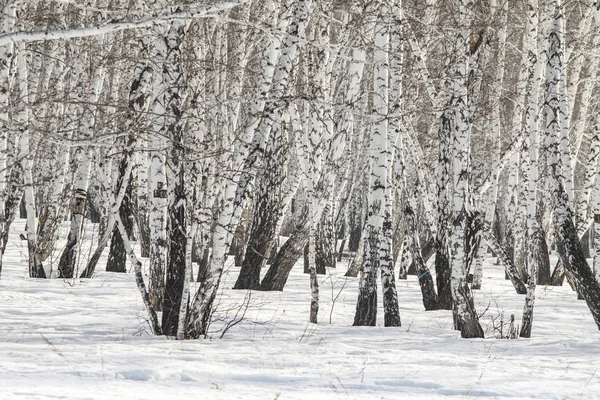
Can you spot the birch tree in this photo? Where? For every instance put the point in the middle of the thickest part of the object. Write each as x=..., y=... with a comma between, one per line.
x=170, y=47
x=556, y=144
x=235, y=190
x=377, y=251
x=534, y=235
x=457, y=115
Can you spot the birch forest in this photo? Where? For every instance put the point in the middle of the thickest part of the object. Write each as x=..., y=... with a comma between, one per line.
x=410, y=138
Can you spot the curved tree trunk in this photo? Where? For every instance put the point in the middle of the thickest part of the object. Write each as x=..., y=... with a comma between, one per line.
x=430, y=298
x=267, y=213
x=291, y=251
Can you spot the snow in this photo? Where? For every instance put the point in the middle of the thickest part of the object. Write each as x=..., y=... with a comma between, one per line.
x=88, y=339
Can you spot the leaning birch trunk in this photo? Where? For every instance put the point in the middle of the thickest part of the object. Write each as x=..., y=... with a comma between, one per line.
x=569, y=245
x=584, y=210
x=465, y=316
x=235, y=190
x=509, y=266
x=571, y=254
x=411, y=251
x=287, y=256
x=138, y=105
x=267, y=212
x=443, y=183
x=121, y=188
x=117, y=255
x=139, y=278
x=430, y=298
x=596, y=225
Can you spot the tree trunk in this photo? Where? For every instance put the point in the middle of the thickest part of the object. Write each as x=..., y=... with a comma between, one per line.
x=571, y=255
x=442, y=261
x=117, y=256
x=267, y=213
x=325, y=243
x=139, y=279
x=176, y=201
x=405, y=258
x=235, y=190
x=511, y=270
x=291, y=251
x=458, y=116
x=377, y=253
x=430, y=298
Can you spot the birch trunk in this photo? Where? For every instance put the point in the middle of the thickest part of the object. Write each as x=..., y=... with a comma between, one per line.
x=235, y=190
x=430, y=298
x=490, y=200
x=312, y=267
x=534, y=235
x=68, y=259
x=137, y=105
x=6, y=57
x=170, y=47
x=36, y=270
x=568, y=243
x=267, y=213
x=157, y=210
x=139, y=279
x=377, y=252
x=465, y=316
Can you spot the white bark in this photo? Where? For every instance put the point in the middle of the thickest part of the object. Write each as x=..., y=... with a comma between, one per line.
x=556, y=139
x=6, y=55
x=139, y=279
x=235, y=190
x=489, y=201
x=592, y=165
x=534, y=69
x=26, y=159
x=377, y=242
x=312, y=267
x=185, y=297
x=466, y=318
x=157, y=184
x=84, y=159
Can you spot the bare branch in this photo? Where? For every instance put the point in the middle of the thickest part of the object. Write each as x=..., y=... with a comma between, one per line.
x=115, y=26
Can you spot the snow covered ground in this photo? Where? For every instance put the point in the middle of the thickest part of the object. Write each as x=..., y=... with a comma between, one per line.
x=88, y=339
